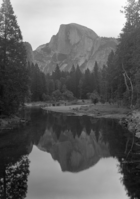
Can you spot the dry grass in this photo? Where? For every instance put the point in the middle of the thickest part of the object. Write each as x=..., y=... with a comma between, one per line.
x=108, y=109
x=99, y=110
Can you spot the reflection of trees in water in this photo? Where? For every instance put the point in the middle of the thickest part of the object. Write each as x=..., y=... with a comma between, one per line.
x=120, y=141
x=14, y=148
x=14, y=170
x=126, y=148
x=59, y=123
x=116, y=136
x=130, y=169
x=13, y=179
x=14, y=163
x=122, y=144
x=71, y=140
x=110, y=129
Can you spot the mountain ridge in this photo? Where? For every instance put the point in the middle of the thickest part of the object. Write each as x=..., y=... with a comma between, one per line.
x=74, y=44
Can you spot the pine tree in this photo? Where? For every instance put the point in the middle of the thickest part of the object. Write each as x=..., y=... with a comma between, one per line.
x=13, y=68
x=127, y=54
x=132, y=15
x=104, y=84
x=73, y=86
x=57, y=73
x=86, y=87
x=96, y=77
x=110, y=74
x=78, y=75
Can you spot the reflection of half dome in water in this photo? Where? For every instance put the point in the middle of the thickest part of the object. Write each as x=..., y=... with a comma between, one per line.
x=74, y=154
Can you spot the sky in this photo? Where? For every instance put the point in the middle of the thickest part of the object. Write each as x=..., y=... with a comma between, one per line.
x=39, y=20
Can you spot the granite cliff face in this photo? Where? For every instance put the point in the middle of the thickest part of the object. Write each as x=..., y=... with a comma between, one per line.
x=74, y=45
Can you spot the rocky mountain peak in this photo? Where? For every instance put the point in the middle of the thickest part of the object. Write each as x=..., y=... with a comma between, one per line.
x=74, y=44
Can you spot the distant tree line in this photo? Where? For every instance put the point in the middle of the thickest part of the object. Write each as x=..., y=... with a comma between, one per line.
x=63, y=84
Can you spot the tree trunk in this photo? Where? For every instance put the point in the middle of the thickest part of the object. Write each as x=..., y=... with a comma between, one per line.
x=126, y=77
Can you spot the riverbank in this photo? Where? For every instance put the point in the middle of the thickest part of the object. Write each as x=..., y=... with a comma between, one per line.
x=14, y=121
x=129, y=119
x=9, y=123
x=132, y=122
x=98, y=111
x=36, y=104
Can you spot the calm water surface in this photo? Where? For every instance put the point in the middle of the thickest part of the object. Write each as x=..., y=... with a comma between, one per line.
x=58, y=156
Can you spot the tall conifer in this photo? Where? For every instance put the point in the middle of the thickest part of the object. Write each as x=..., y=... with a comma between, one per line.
x=13, y=71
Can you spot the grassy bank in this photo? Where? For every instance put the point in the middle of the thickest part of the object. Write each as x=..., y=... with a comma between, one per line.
x=8, y=123
x=99, y=110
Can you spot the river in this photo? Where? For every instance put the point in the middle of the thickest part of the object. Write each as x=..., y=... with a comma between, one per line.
x=60, y=156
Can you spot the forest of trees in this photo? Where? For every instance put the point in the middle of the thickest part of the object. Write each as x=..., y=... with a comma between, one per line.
x=117, y=81
x=62, y=85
